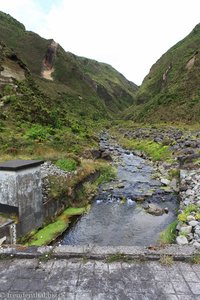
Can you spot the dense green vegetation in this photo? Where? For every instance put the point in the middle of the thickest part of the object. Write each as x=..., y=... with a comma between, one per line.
x=59, y=115
x=154, y=150
x=171, y=90
x=66, y=164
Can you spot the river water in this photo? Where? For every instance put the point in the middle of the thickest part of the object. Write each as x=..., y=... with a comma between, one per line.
x=118, y=216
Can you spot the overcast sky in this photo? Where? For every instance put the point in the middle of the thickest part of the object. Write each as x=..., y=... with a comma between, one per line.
x=128, y=34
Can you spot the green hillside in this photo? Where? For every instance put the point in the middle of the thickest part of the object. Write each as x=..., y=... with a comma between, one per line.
x=171, y=90
x=52, y=97
x=84, y=76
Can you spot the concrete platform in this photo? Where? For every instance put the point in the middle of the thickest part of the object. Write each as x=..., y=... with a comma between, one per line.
x=83, y=279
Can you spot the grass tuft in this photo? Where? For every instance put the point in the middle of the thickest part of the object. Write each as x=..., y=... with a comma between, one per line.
x=166, y=260
x=168, y=236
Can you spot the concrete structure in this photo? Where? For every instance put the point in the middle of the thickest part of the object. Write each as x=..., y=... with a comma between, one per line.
x=74, y=279
x=21, y=193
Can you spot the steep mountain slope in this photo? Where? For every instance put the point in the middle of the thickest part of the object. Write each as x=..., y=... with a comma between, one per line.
x=50, y=98
x=85, y=77
x=171, y=90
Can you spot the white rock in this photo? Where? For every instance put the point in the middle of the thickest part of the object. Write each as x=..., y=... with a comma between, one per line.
x=165, y=181
x=189, y=192
x=186, y=229
x=99, y=201
x=193, y=223
x=174, y=185
x=190, y=218
x=179, y=225
x=196, y=244
x=190, y=237
x=130, y=202
x=181, y=240
x=186, y=202
x=197, y=231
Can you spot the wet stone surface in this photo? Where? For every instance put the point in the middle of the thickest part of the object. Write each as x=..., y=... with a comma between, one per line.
x=118, y=215
x=92, y=280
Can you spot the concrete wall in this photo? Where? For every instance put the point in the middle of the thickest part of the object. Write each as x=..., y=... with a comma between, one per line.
x=8, y=185
x=21, y=187
x=29, y=197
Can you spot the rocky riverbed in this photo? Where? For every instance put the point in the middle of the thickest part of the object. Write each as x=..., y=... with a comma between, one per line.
x=182, y=142
x=131, y=210
x=140, y=180
x=185, y=148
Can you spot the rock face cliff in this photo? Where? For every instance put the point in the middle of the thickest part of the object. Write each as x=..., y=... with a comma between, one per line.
x=87, y=78
x=48, y=61
x=171, y=90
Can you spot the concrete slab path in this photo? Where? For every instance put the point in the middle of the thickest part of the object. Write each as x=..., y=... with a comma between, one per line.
x=79, y=279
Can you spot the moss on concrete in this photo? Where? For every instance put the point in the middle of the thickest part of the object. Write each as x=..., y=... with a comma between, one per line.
x=48, y=233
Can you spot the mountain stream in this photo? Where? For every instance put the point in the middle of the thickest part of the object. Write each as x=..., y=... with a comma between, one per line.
x=118, y=214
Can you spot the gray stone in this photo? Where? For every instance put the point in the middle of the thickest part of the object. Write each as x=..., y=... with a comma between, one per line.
x=193, y=223
x=106, y=155
x=165, y=181
x=174, y=185
x=179, y=225
x=197, y=231
x=196, y=245
x=181, y=240
x=155, y=209
x=186, y=229
x=190, y=237
x=120, y=186
x=190, y=218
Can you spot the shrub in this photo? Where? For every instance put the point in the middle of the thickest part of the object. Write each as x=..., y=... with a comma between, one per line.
x=190, y=208
x=67, y=164
x=107, y=173
x=38, y=132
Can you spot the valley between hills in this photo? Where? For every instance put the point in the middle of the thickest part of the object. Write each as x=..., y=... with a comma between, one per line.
x=88, y=122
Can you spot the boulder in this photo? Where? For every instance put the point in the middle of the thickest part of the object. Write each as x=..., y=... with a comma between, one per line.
x=106, y=155
x=96, y=153
x=154, y=209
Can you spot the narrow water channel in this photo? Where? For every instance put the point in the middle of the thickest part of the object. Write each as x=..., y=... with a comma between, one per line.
x=118, y=216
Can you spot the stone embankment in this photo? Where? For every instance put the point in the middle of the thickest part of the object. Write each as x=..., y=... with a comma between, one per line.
x=48, y=169
x=189, y=218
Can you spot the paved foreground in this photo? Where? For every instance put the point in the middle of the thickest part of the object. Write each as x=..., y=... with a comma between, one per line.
x=78, y=279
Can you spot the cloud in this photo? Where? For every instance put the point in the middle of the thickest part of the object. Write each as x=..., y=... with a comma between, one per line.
x=130, y=35
x=27, y=12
